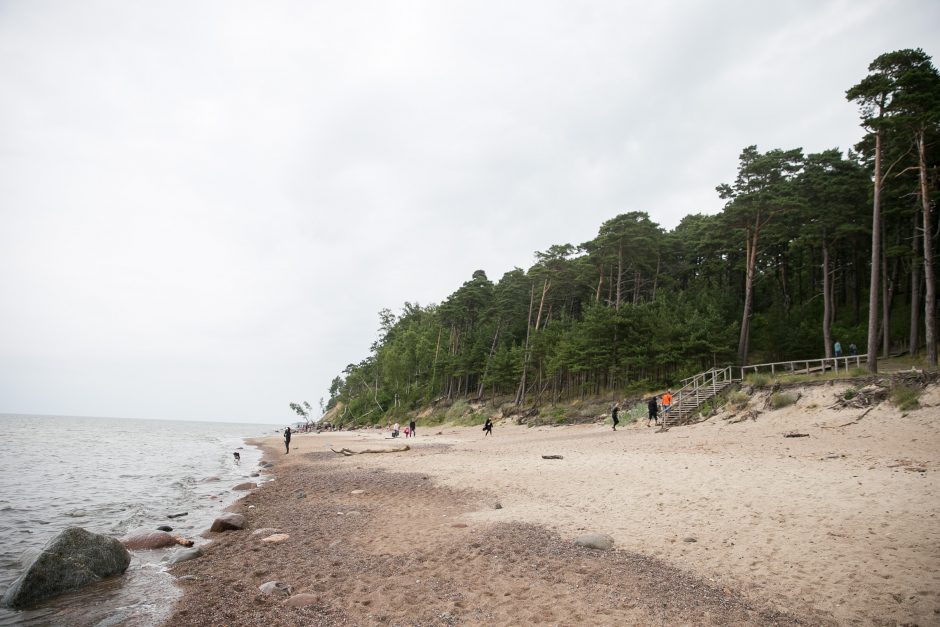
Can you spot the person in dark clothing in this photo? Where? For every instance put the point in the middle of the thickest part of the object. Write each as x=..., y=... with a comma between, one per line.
x=653, y=408
x=412, y=425
x=487, y=427
x=287, y=440
x=613, y=413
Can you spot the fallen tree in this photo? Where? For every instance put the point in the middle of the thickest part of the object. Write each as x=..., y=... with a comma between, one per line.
x=347, y=452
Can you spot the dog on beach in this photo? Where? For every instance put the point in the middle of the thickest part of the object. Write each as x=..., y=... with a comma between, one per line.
x=238, y=457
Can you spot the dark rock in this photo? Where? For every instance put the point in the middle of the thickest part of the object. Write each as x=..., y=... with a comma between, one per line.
x=248, y=485
x=166, y=528
x=72, y=559
x=599, y=541
x=498, y=505
x=689, y=539
x=228, y=522
x=552, y=457
x=148, y=540
x=255, y=474
x=185, y=556
x=268, y=465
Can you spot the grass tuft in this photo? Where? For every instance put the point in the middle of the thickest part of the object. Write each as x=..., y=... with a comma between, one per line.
x=905, y=398
x=779, y=400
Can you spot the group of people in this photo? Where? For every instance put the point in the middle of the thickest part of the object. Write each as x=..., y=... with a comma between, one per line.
x=837, y=348
x=652, y=406
x=410, y=431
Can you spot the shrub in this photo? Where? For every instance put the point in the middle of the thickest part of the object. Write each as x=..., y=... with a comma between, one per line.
x=905, y=398
x=457, y=410
x=779, y=400
x=849, y=394
x=738, y=399
x=758, y=380
x=433, y=420
x=557, y=415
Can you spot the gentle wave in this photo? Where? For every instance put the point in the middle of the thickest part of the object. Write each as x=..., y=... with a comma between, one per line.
x=112, y=476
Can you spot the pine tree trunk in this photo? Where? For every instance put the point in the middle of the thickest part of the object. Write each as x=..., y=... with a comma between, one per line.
x=885, y=305
x=520, y=391
x=930, y=325
x=619, y=274
x=913, y=346
x=486, y=367
x=827, y=299
x=751, y=263
x=875, y=262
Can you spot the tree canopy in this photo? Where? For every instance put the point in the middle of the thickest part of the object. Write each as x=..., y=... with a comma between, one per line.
x=783, y=271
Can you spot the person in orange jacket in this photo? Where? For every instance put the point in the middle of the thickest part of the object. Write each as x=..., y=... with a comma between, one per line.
x=667, y=402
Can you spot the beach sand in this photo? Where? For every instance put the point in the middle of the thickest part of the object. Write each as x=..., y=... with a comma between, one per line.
x=715, y=523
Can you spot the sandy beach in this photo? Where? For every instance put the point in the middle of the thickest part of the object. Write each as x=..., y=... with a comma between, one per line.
x=716, y=523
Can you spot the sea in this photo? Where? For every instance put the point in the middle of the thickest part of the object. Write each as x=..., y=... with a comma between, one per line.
x=114, y=476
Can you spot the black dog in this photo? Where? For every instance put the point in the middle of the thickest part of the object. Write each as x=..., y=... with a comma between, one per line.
x=238, y=457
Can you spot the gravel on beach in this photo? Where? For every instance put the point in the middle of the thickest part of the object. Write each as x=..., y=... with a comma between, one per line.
x=398, y=553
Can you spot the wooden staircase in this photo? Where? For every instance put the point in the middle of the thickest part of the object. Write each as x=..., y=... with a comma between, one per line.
x=695, y=391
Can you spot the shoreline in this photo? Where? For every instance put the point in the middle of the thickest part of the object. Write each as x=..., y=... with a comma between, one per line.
x=835, y=527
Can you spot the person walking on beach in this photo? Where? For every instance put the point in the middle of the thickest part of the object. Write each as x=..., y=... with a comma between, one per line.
x=667, y=403
x=487, y=427
x=613, y=414
x=412, y=426
x=287, y=440
x=653, y=409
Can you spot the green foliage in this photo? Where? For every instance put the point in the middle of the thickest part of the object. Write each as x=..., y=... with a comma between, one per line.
x=849, y=394
x=905, y=397
x=457, y=411
x=638, y=307
x=779, y=400
x=738, y=399
x=758, y=380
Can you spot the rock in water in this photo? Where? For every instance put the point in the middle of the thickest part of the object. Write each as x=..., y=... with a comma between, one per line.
x=72, y=559
x=600, y=541
x=148, y=540
x=166, y=528
x=184, y=556
x=248, y=485
x=228, y=522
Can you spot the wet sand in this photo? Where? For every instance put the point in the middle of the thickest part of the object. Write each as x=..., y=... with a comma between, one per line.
x=716, y=523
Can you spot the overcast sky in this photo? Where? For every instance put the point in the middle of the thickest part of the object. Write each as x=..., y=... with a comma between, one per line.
x=203, y=205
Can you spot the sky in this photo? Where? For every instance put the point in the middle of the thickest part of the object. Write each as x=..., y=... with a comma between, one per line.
x=204, y=205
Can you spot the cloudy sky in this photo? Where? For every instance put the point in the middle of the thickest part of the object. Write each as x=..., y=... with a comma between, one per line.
x=203, y=205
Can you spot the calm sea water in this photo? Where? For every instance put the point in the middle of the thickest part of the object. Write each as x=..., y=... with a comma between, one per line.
x=113, y=476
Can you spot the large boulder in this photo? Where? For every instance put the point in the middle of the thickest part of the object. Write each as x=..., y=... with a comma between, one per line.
x=228, y=522
x=72, y=559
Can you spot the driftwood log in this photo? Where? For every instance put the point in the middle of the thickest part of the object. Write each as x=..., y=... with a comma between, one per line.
x=347, y=452
x=552, y=457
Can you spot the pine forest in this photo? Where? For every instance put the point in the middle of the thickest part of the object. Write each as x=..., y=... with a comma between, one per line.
x=809, y=249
